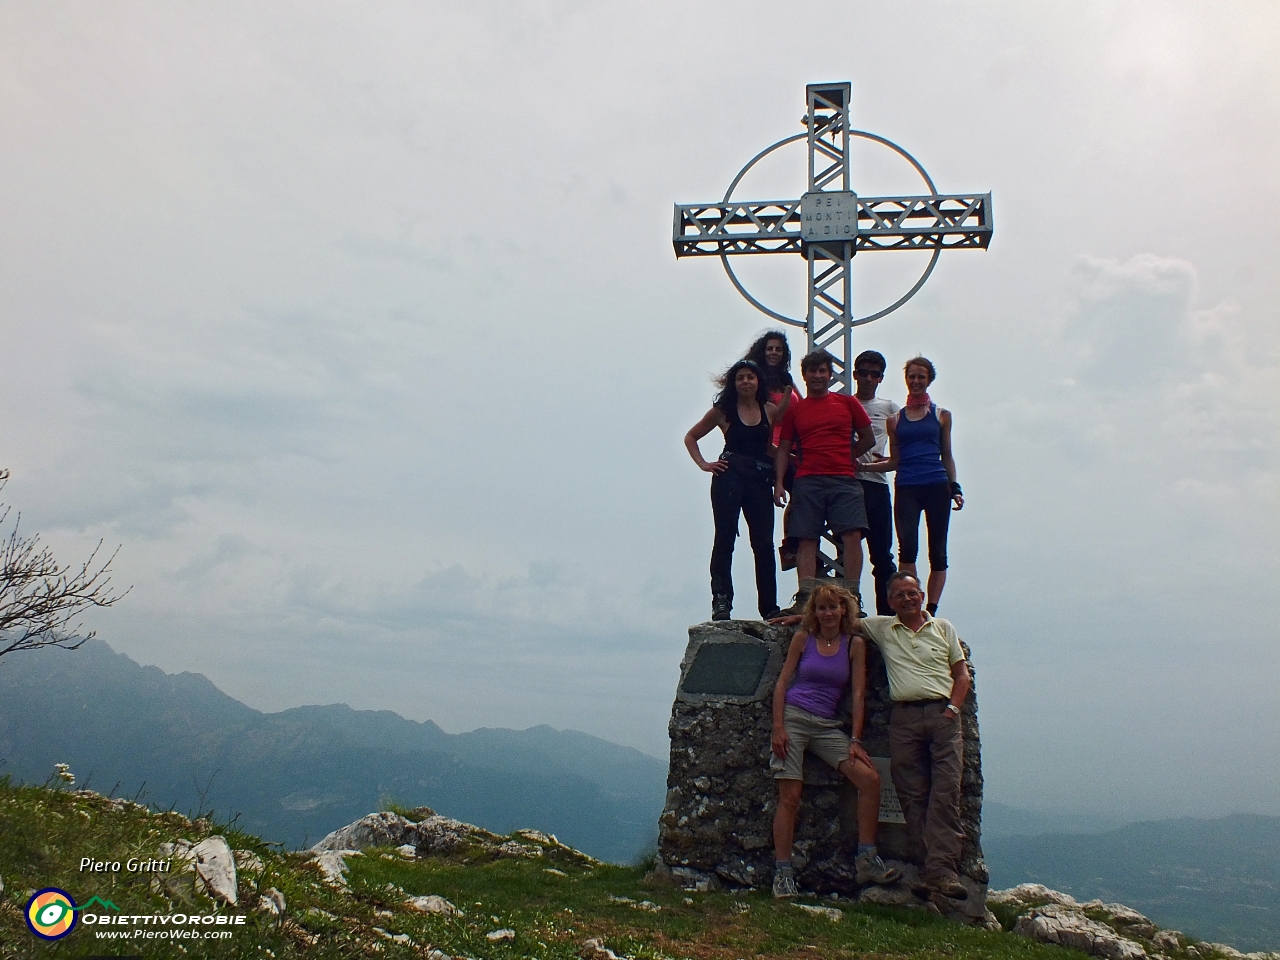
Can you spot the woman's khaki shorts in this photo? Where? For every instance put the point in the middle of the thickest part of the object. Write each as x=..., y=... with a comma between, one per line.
x=808, y=731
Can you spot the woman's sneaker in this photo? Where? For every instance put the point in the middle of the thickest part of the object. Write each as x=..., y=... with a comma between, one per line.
x=784, y=885
x=870, y=868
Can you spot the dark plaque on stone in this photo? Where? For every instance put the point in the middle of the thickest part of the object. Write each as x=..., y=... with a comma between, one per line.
x=726, y=669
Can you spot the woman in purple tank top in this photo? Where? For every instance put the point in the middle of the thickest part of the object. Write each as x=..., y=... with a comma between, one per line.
x=824, y=657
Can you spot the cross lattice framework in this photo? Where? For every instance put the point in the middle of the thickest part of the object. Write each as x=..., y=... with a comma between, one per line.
x=830, y=224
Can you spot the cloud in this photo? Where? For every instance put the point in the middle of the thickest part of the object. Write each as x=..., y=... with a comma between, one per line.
x=362, y=332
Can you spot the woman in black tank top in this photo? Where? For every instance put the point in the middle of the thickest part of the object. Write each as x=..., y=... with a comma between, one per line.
x=741, y=482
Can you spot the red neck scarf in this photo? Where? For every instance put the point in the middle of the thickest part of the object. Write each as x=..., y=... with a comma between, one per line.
x=920, y=401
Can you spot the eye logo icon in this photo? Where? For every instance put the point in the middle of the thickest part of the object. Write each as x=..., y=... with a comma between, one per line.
x=51, y=913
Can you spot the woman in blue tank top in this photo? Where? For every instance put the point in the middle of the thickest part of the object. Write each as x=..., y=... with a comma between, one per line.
x=925, y=478
x=824, y=657
x=741, y=482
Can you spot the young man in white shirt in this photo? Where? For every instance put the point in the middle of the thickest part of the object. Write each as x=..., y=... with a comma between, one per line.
x=868, y=372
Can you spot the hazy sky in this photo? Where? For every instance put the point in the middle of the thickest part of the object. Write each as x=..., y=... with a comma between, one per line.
x=359, y=327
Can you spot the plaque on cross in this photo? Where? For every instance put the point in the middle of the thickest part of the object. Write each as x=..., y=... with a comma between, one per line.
x=829, y=224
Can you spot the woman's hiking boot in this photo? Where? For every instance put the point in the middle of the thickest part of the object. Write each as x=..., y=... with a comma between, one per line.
x=721, y=606
x=869, y=868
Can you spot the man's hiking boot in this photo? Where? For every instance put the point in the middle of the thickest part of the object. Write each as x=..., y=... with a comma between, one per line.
x=852, y=587
x=949, y=887
x=800, y=599
x=871, y=869
x=784, y=885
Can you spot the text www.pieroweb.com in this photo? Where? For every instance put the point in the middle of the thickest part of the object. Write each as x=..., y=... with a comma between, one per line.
x=176, y=926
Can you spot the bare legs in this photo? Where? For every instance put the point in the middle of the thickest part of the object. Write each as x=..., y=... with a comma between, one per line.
x=784, y=820
x=862, y=776
x=867, y=780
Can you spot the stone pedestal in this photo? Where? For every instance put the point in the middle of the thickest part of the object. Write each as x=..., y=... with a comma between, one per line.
x=717, y=826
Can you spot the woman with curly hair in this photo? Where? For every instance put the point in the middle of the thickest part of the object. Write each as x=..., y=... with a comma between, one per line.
x=741, y=482
x=825, y=656
x=772, y=354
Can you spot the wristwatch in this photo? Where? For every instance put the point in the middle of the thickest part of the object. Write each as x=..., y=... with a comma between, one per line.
x=953, y=708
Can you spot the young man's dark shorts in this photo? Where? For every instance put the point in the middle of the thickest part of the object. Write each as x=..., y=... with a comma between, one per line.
x=820, y=501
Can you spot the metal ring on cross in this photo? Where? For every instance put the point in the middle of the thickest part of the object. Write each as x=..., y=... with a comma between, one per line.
x=933, y=260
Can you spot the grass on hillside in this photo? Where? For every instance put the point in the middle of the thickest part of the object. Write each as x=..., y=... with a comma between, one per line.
x=44, y=833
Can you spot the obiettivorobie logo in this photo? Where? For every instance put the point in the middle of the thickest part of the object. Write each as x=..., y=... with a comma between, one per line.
x=51, y=913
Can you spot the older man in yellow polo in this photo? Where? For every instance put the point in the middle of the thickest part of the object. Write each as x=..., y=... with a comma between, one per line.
x=928, y=682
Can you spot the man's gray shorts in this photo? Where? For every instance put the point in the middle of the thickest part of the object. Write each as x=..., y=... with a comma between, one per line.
x=819, y=501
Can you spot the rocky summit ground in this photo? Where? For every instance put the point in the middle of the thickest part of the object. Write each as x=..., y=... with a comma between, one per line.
x=410, y=883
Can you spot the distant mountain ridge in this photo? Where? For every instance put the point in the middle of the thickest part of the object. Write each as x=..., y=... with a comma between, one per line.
x=1003, y=820
x=295, y=775
x=1215, y=879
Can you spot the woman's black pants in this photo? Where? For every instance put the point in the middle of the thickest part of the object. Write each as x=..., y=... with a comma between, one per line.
x=730, y=493
x=934, y=500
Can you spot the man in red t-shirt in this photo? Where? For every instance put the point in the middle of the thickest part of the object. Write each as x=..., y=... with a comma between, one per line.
x=825, y=491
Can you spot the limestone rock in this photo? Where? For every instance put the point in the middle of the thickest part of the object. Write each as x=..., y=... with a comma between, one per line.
x=248, y=862
x=271, y=902
x=831, y=913
x=1110, y=930
x=1167, y=941
x=514, y=849
x=1231, y=953
x=407, y=850
x=1031, y=894
x=433, y=904
x=537, y=836
x=216, y=866
x=1124, y=919
x=436, y=835
x=180, y=851
x=1067, y=926
x=383, y=829
x=499, y=936
x=333, y=866
x=433, y=834
x=594, y=949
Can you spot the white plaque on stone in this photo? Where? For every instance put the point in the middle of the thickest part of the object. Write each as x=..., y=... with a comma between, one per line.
x=829, y=216
x=890, y=808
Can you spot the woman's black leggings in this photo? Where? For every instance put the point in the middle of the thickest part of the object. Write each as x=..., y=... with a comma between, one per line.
x=935, y=500
x=731, y=493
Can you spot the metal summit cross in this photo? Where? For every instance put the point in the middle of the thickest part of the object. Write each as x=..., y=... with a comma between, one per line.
x=830, y=224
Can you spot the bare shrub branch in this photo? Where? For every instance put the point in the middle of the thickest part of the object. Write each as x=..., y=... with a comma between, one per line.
x=42, y=599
